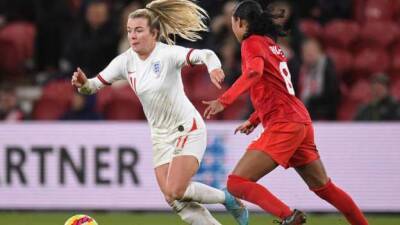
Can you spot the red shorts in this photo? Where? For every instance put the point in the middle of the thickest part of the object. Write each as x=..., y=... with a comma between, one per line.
x=288, y=144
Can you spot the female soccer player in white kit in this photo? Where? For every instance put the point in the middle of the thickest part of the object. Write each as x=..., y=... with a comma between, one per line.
x=178, y=132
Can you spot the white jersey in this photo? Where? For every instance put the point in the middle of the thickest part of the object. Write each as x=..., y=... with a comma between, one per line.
x=157, y=81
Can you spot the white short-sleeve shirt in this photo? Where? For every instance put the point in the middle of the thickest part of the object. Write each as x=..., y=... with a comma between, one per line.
x=157, y=82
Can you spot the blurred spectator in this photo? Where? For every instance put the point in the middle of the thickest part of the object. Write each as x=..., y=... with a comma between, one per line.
x=53, y=20
x=9, y=109
x=82, y=108
x=222, y=40
x=318, y=84
x=382, y=106
x=325, y=10
x=213, y=7
x=17, y=10
x=229, y=54
x=94, y=43
x=221, y=28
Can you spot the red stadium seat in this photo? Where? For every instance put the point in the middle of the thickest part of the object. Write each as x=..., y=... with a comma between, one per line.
x=395, y=88
x=120, y=104
x=9, y=62
x=370, y=61
x=311, y=28
x=49, y=109
x=395, y=67
x=379, y=10
x=103, y=98
x=20, y=37
x=201, y=86
x=192, y=75
x=358, y=10
x=341, y=33
x=379, y=34
x=342, y=59
x=55, y=100
x=359, y=93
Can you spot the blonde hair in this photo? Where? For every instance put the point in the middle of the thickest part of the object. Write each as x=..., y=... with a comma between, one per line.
x=174, y=17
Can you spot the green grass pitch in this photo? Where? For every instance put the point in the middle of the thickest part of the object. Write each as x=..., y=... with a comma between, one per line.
x=149, y=218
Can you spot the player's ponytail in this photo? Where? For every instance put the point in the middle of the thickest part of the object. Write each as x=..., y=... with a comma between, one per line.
x=259, y=21
x=171, y=18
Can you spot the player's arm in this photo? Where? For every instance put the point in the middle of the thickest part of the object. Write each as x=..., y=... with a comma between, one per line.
x=210, y=59
x=191, y=57
x=203, y=56
x=253, y=58
x=251, y=76
x=113, y=72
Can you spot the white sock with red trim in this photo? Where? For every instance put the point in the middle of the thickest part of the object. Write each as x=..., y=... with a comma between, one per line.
x=202, y=193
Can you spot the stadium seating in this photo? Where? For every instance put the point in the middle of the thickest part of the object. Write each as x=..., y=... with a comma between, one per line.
x=342, y=59
x=379, y=34
x=340, y=33
x=119, y=103
x=358, y=94
x=311, y=28
x=381, y=10
x=370, y=61
x=395, y=88
x=55, y=100
x=16, y=46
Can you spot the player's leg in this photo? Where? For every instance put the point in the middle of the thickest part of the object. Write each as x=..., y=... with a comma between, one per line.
x=242, y=183
x=315, y=176
x=187, y=155
x=308, y=164
x=190, y=212
x=183, y=167
x=180, y=187
x=274, y=147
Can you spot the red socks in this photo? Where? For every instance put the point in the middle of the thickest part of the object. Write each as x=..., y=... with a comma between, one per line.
x=342, y=201
x=252, y=192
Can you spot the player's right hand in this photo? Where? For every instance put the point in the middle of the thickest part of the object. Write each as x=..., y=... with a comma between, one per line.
x=78, y=78
x=245, y=128
x=217, y=77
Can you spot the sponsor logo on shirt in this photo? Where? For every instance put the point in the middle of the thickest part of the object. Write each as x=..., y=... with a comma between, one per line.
x=156, y=67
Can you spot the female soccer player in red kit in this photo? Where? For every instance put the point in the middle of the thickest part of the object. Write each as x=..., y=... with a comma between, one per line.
x=288, y=139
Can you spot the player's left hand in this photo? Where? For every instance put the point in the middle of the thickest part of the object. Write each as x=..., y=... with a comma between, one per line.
x=245, y=128
x=217, y=77
x=213, y=108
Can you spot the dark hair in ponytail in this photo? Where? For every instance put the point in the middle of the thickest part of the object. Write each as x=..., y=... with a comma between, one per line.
x=260, y=21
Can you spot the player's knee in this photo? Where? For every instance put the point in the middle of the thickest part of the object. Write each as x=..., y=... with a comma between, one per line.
x=318, y=183
x=175, y=193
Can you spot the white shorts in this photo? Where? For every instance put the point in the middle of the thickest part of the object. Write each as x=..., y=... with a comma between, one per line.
x=190, y=138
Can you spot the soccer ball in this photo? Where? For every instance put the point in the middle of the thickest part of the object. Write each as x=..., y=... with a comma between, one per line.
x=80, y=220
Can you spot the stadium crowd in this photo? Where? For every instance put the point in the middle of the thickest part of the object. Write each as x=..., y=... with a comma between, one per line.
x=344, y=58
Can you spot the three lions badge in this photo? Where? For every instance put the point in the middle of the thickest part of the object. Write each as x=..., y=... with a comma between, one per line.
x=156, y=68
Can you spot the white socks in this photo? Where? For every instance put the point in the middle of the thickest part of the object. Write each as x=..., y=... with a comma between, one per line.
x=189, y=209
x=202, y=193
x=193, y=213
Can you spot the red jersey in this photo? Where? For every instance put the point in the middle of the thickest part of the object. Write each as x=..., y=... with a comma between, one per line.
x=272, y=94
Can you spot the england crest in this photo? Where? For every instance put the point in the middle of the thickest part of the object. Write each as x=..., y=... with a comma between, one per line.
x=156, y=67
